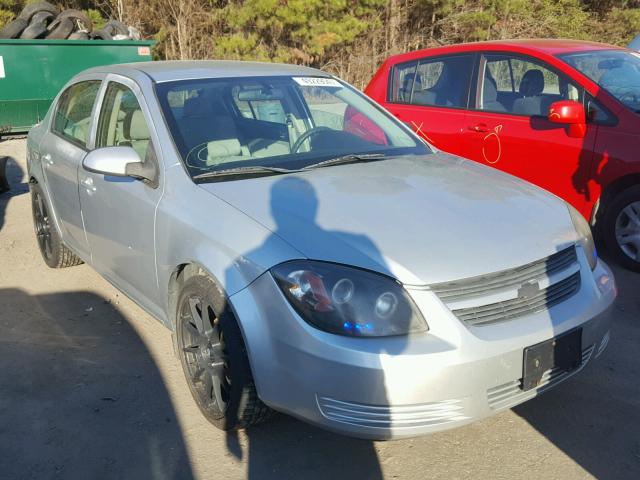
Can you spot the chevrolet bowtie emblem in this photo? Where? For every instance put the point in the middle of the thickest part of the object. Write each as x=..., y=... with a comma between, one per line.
x=528, y=290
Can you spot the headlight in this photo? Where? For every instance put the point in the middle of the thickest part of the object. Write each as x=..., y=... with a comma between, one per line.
x=585, y=238
x=347, y=300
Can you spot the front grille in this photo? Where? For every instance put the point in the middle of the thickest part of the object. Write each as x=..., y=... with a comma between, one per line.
x=474, y=301
x=510, y=394
x=478, y=286
x=509, y=309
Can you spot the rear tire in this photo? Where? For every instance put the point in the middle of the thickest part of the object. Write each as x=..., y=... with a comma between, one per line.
x=54, y=252
x=621, y=228
x=213, y=357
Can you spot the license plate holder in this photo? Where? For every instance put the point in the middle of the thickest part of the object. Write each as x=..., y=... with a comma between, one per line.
x=563, y=352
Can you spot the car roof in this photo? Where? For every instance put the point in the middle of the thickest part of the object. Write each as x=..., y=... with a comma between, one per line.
x=164, y=71
x=531, y=46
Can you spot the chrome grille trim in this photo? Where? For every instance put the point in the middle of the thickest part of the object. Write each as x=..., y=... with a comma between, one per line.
x=502, y=296
x=510, y=394
x=478, y=286
x=402, y=416
x=510, y=309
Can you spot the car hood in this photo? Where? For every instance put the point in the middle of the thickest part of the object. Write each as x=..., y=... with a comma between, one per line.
x=421, y=219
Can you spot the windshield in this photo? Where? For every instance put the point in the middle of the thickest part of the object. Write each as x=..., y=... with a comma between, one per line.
x=617, y=71
x=281, y=122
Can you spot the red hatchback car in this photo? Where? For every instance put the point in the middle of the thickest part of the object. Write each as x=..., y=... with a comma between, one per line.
x=564, y=115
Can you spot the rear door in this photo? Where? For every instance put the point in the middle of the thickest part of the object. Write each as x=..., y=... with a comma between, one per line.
x=431, y=96
x=62, y=149
x=119, y=212
x=507, y=128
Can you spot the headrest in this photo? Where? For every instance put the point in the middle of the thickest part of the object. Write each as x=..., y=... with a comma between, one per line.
x=219, y=150
x=135, y=126
x=532, y=83
x=489, y=90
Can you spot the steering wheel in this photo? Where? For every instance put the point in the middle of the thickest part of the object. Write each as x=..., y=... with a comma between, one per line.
x=307, y=134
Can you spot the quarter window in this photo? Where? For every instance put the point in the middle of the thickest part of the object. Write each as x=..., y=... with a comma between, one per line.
x=122, y=121
x=442, y=82
x=518, y=86
x=72, y=119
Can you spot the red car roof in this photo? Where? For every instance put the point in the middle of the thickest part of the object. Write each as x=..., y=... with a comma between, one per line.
x=545, y=46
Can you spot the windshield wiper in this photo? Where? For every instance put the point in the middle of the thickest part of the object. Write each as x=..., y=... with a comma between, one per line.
x=255, y=170
x=351, y=158
x=262, y=170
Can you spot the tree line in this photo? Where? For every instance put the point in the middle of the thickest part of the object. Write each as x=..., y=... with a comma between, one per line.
x=349, y=38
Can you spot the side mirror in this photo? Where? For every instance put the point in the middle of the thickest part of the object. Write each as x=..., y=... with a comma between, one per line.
x=570, y=113
x=120, y=162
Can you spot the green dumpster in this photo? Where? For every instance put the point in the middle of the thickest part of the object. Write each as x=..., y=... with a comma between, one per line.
x=32, y=72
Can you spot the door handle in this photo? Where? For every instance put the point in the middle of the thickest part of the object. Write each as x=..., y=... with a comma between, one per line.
x=480, y=128
x=46, y=158
x=88, y=184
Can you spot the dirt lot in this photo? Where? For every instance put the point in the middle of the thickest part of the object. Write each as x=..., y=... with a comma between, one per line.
x=90, y=388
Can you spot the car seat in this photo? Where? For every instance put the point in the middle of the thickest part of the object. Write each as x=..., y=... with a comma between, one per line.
x=531, y=88
x=490, y=95
x=136, y=133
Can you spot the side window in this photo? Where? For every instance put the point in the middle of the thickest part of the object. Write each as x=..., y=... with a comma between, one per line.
x=440, y=81
x=122, y=121
x=72, y=119
x=516, y=85
x=402, y=83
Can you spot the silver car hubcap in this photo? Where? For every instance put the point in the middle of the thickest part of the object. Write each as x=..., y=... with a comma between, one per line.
x=628, y=230
x=205, y=355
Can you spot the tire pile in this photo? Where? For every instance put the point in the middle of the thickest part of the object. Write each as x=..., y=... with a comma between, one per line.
x=43, y=20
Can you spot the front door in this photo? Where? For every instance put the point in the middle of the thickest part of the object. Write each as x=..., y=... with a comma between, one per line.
x=430, y=95
x=119, y=212
x=509, y=129
x=61, y=151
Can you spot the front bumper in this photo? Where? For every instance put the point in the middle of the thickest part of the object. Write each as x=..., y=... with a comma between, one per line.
x=396, y=387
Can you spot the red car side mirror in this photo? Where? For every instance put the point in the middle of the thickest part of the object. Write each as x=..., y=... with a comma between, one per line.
x=571, y=113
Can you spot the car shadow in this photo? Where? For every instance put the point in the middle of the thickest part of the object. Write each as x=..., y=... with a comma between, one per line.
x=81, y=396
x=12, y=184
x=594, y=417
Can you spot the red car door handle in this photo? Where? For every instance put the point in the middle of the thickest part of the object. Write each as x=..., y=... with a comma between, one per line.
x=480, y=127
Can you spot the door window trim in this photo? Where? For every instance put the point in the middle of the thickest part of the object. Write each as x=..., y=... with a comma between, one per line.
x=137, y=92
x=390, y=80
x=72, y=140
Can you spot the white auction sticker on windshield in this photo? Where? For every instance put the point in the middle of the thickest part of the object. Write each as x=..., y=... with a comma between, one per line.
x=317, y=82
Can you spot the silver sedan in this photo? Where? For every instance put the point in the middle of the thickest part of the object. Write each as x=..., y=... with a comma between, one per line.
x=310, y=253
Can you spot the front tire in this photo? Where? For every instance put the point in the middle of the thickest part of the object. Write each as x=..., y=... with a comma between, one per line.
x=54, y=252
x=213, y=357
x=621, y=228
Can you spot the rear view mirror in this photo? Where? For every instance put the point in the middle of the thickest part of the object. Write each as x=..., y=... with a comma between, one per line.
x=260, y=94
x=570, y=113
x=120, y=162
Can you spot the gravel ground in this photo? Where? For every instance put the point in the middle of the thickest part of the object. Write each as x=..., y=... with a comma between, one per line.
x=90, y=388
